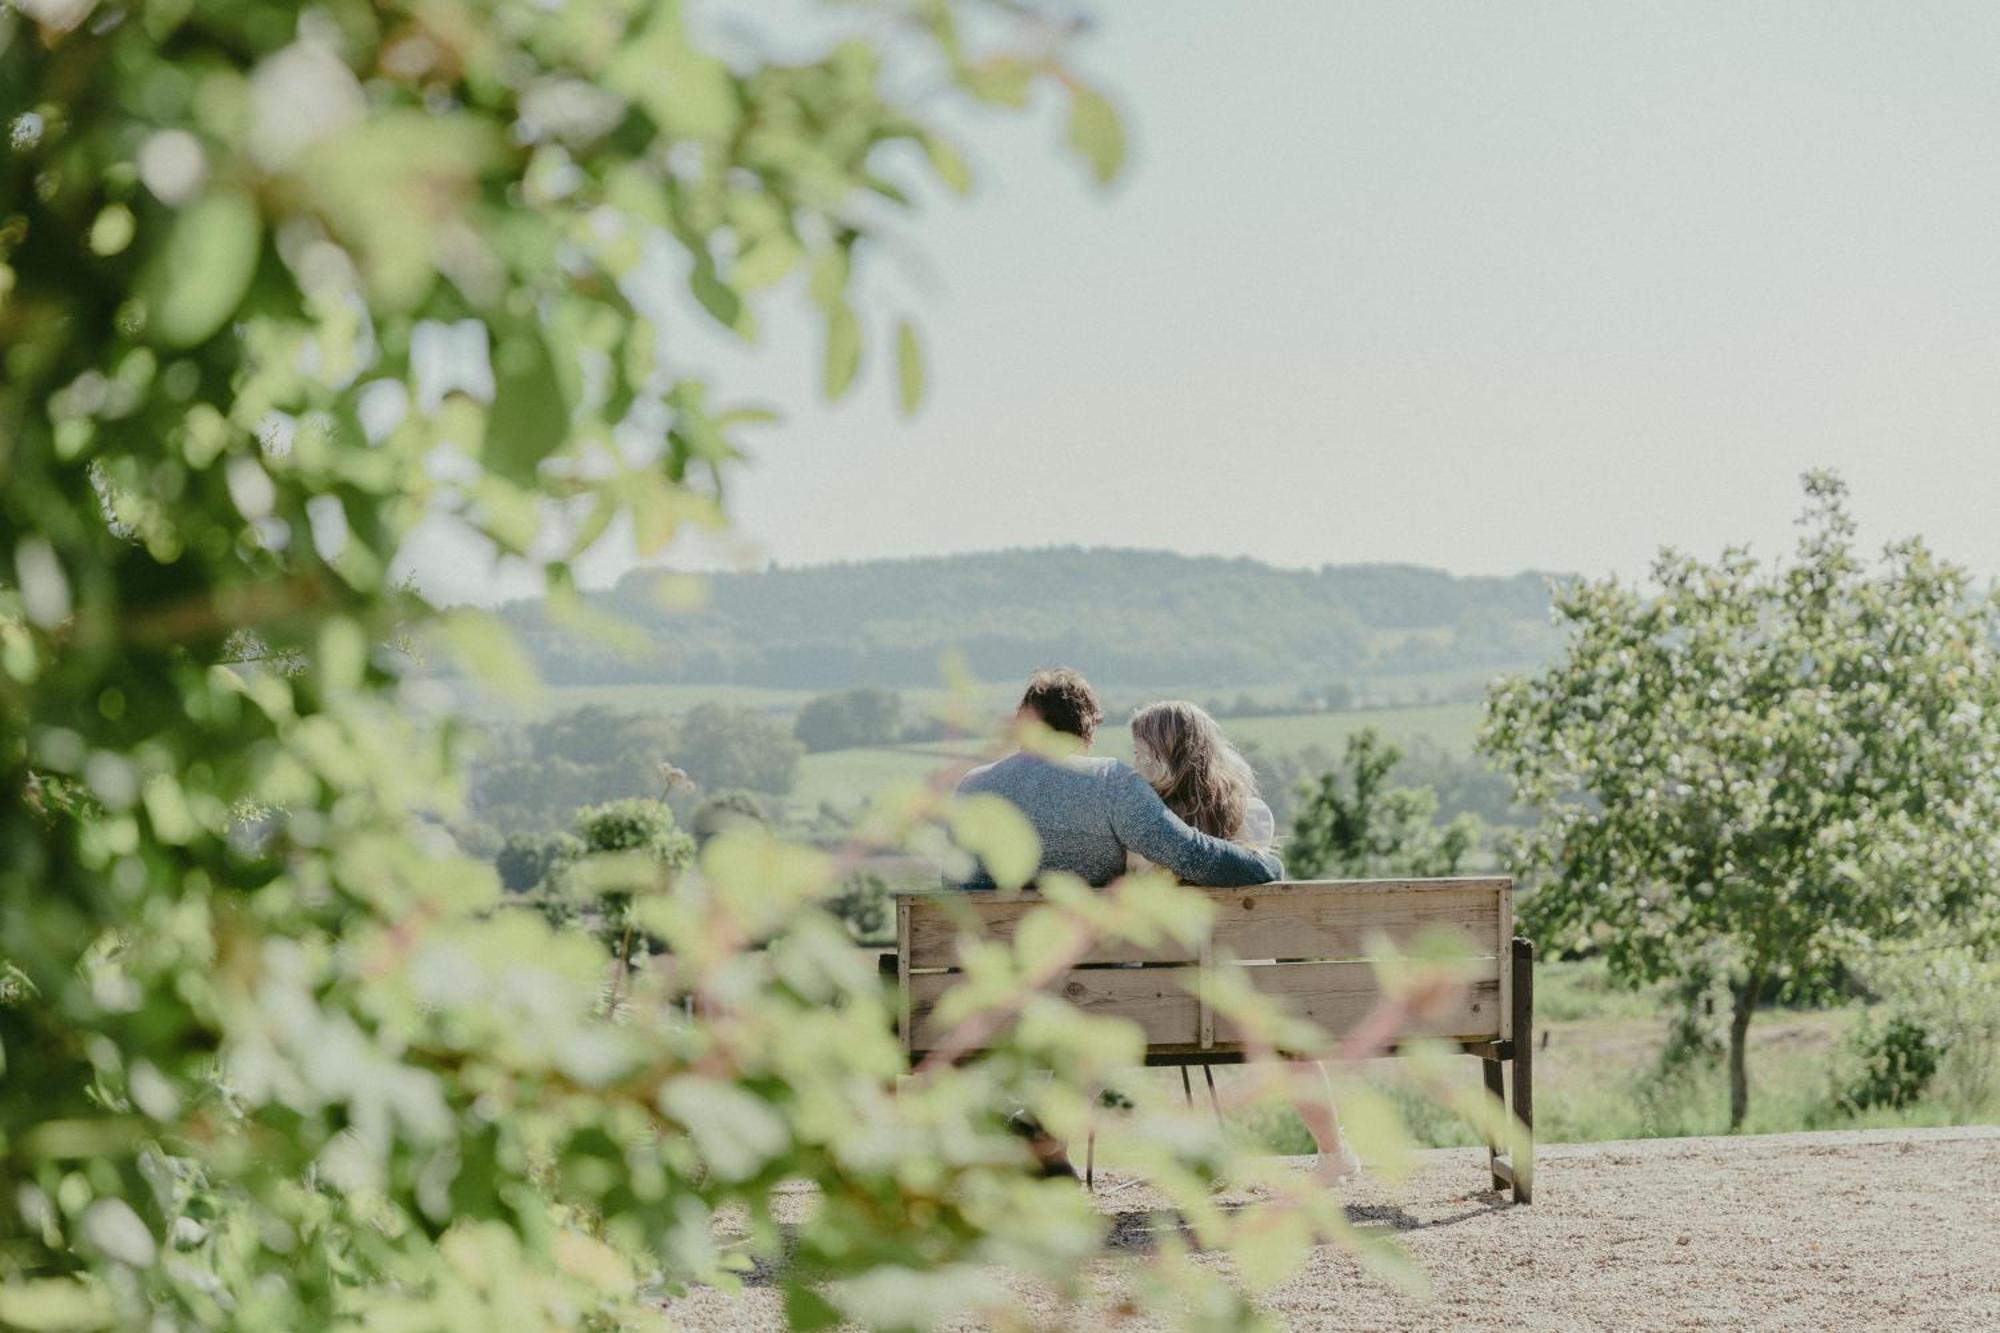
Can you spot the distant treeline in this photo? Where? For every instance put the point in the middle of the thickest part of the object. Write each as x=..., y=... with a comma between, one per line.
x=1134, y=617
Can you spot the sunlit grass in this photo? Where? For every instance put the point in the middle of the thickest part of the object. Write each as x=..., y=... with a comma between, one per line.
x=1598, y=1077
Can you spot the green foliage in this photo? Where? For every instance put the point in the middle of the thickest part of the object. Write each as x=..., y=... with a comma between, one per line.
x=720, y=746
x=534, y=779
x=278, y=286
x=527, y=859
x=640, y=826
x=1898, y=1059
x=1950, y=992
x=849, y=719
x=1352, y=823
x=1755, y=771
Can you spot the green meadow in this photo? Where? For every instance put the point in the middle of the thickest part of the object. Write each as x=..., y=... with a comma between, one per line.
x=1598, y=1075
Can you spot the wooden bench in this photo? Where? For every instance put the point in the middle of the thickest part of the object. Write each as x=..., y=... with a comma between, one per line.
x=1319, y=929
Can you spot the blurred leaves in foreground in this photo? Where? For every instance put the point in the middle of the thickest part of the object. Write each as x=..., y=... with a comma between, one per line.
x=280, y=287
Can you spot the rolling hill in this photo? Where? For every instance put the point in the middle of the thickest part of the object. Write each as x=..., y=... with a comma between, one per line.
x=1127, y=617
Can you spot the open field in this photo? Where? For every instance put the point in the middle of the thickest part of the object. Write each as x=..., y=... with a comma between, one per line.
x=1841, y=1231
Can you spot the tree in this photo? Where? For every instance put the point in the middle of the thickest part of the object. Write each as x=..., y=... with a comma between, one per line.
x=527, y=859
x=641, y=826
x=1352, y=822
x=1761, y=769
x=849, y=719
x=280, y=286
x=721, y=746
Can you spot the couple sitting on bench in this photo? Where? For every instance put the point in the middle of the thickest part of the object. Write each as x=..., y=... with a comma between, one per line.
x=1187, y=805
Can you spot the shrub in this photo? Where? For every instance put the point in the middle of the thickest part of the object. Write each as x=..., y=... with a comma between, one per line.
x=1950, y=991
x=1899, y=1057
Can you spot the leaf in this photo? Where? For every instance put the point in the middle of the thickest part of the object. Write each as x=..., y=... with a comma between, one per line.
x=909, y=367
x=487, y=649
x=112, y=1226
x=592, y=1262
x=735, y=1132
x=1273, y=1245
x=1002, y=81
x=993, y=829
x=827, y=284
x=948, y=163
x=198, y=276
x=843, y=350
x=1095, y=132
x=766, y=262
x=717, y=297
x=689, y=94
x=531, y=415
x=343, y=653
x=806, y=1309
x=54, y=1304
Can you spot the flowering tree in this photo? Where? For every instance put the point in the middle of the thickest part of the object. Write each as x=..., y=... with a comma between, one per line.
x=1753, y=771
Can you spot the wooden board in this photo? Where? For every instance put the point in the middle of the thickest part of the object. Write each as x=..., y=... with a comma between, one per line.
x=936, y=927
x=1165, y=1003
x=1337, y=996
x=1339, y=922
x=1308, y=919
x=1161, y=1000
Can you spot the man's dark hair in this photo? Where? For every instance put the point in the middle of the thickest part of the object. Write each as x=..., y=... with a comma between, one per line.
x=1063, y=699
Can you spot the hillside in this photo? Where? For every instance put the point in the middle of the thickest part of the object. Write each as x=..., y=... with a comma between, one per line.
x=1138, y=618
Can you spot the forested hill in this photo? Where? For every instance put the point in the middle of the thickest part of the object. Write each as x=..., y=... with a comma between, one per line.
x=1127, y=617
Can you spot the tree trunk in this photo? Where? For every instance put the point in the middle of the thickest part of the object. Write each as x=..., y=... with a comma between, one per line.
x=1744, y=995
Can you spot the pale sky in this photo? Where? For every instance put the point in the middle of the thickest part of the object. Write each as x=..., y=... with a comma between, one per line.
x=1486, y=286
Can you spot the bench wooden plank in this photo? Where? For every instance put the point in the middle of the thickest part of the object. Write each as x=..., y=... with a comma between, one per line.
x=1305, y=919
x=1161, y=1000
x=1164, y=1001
x=1338, y=923
x=935, y=928
x=1337, y=996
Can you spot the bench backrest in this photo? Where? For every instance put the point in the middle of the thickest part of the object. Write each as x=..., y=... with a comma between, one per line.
x=1306, y=941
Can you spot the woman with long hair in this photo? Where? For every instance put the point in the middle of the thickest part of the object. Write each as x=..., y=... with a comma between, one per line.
x=1203, y=778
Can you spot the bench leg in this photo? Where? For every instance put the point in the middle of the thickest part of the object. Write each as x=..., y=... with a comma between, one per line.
x=1496, y=1087
x=1524, y=1068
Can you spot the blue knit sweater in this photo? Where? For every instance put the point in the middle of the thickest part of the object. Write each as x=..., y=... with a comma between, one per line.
x=1091, y=812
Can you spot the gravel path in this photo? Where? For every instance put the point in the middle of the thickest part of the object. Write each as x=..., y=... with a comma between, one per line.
x=1846, y=1230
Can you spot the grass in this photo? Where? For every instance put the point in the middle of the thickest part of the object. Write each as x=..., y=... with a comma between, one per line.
x=1598, y=1076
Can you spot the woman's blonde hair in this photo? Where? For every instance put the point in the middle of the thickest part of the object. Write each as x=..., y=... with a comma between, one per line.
x=1200, y=776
